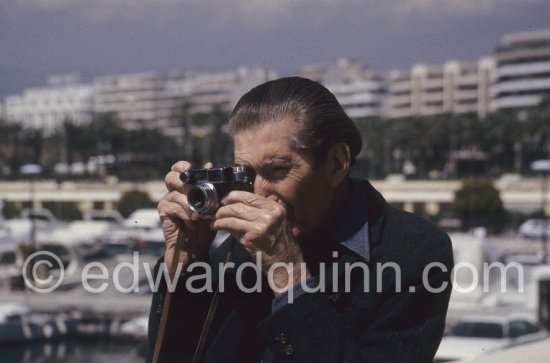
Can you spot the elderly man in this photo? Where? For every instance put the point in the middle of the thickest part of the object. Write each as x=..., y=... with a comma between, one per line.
x=343, y=276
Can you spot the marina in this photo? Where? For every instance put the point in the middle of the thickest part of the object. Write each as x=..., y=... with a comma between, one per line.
x=76, y=322
x=101, y=313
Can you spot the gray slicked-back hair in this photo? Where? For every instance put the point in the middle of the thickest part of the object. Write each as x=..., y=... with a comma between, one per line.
x=321, y=121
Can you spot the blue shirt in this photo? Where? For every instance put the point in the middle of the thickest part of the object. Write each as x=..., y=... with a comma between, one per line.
x=355, y=213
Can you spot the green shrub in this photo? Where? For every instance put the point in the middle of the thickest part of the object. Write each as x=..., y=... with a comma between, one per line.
x=477, y=203
x=65, y=211
x=132, y=200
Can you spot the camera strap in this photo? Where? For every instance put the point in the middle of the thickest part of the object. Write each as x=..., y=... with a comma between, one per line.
x=211, y=311
x=184, y=238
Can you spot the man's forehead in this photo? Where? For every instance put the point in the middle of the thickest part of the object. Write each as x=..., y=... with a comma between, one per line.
x=286, y=125
x=269, y=143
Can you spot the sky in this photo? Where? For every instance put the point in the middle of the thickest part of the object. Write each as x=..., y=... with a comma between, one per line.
x=39, y=38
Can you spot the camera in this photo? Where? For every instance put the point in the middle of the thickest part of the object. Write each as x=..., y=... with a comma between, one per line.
x=211, y=185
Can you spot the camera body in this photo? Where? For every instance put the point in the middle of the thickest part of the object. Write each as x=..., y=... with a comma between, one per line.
x=209, y=186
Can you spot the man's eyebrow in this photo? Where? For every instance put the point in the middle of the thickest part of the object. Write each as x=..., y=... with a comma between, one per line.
x=276, y=160
x=269, y=161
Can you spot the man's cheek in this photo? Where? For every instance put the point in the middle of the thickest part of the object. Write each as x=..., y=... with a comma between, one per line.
x=296, y=231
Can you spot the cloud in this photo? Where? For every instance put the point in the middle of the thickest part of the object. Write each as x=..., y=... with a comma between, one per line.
x=48, y=4
x=451, y=7
x=104, y=10
x=261, y=13
x=258, y=14
x=268, y=14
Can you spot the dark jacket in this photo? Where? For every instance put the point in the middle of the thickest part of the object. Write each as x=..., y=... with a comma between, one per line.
x=384, y=324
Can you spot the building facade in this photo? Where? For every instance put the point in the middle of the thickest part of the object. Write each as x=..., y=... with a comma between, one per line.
x=46, y=108
x=452, y=88
x=516, y=76
x=153, y=100
x=523, y=70
x=359, y=90
x=132, y=98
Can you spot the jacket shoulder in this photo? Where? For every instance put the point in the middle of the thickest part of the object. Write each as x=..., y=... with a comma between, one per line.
x=411, y=239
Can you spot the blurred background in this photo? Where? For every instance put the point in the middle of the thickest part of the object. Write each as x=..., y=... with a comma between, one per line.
x=99, y=98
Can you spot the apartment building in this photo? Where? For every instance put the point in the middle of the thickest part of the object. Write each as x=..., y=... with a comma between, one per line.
x=523, y=70
x=132, y=98
x=222, y=90
x=46, y=108
x=359, y=90
x=452, y=88
x=516, y=76
x=152, y=99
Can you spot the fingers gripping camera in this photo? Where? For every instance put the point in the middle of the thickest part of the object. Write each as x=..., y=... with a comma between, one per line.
x=211, y=185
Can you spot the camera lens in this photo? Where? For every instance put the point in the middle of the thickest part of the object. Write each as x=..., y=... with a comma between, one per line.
x=197, y=199
x=185, y=177
x=203, y=199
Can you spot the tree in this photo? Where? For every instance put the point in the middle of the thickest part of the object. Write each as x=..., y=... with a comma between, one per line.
x=203, y=137
x=10, y=139
x=31, y=146
x=79, y=142
x=183, y=119
x=215, y=144
x=109, y=136
x=66, y=211
x=133, y=200
x=9, y=210
x=370, y=161
x=478, y=203
x=539, y=131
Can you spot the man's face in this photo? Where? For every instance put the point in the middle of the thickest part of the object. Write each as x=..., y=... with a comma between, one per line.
x=287, y=173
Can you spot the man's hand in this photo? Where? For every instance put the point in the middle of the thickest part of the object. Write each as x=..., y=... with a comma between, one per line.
x=262, y=226
x=175, y=213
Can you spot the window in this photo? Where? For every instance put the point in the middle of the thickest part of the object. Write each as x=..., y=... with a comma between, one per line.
x=478, y=330
x=7, y=258
x=60, y=251
x=520, y=327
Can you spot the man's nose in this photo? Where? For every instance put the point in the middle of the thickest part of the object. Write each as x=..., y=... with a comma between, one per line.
x=261, y=187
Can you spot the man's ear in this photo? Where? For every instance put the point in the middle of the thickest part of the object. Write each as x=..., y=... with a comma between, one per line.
x=339, y=160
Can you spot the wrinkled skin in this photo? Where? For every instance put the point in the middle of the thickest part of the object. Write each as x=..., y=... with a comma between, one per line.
x=291, y=200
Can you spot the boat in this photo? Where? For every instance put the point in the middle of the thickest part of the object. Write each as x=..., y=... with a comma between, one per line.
x=19, y=324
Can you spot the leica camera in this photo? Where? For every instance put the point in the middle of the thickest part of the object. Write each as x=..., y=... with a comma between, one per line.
x=209, y=186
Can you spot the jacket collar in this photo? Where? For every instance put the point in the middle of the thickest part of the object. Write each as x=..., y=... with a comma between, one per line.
x=358, y=226
x=377, y=213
